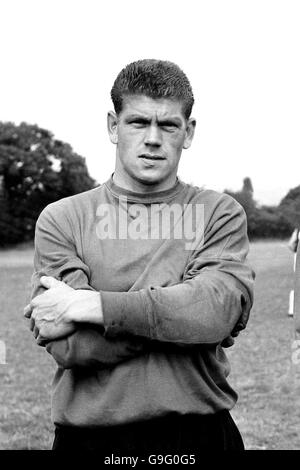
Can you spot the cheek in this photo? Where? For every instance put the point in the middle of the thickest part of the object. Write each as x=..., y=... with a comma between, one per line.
x=128, y=141
x=175, y=142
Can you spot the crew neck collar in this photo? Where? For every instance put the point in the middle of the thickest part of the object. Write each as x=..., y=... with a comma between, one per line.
x=157, y=196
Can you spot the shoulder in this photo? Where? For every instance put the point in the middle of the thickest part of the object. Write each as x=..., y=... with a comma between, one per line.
x=213, y=200
x=71, y=205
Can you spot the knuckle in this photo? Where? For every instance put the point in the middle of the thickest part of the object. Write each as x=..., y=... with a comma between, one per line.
x=34, y=313
x=33, y=303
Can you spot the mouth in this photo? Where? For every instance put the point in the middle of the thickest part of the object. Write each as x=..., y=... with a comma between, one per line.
x=148, y=156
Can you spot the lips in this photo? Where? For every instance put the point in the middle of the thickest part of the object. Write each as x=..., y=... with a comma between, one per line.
x=148, y=156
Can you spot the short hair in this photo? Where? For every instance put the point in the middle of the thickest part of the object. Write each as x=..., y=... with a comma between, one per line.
x=155, y=79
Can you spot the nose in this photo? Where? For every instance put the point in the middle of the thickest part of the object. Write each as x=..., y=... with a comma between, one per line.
x=153, y=136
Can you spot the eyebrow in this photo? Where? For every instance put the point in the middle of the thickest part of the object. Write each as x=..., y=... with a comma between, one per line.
x=163, y=121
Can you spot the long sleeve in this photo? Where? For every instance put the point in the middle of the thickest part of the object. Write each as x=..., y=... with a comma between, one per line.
x=55, y=255
x=88, y=348
x=212, y=302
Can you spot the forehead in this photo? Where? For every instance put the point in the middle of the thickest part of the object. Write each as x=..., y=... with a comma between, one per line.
x=149, y=107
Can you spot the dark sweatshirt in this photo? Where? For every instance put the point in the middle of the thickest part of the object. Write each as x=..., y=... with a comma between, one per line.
x=169, y=306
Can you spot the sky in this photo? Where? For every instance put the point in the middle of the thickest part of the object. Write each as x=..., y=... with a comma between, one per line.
x=59, y=59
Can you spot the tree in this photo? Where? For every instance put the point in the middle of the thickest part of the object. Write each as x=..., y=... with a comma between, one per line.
x=247, y=186
x=289, y=207
x=269, y=223
x=245, y=198
x=265, y=221
x=35, y=170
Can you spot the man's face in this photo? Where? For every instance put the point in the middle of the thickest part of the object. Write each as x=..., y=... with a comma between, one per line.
x=150, y=135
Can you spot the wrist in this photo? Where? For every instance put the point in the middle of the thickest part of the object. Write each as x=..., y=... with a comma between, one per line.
x=94, y=311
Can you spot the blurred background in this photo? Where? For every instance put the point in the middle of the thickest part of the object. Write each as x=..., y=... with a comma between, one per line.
x=58, y=63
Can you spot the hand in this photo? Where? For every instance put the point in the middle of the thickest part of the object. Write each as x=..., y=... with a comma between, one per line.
x=42, y=321
x=45, y=330
x=54, y=312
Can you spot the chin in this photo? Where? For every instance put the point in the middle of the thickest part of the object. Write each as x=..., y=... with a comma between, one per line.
x=149, y=179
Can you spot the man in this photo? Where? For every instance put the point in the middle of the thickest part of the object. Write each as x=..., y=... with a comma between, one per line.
x=136, y=314
x=293, y=246
x=294, y=240
x=296, y=292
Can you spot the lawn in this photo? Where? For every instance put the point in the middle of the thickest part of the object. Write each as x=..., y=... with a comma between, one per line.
x=268, y=383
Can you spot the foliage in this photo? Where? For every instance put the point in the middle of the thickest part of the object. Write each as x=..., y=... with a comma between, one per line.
x=35, y=170
x=247, y=186
x=269, y=223
x=266, y=221
x=245, y=198
x=289, y=207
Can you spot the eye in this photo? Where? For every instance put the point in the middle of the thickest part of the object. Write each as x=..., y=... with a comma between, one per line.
x=169, y=126
x=138, y=123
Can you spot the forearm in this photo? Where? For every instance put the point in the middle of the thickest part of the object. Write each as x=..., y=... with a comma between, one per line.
x=87, y=347
x=203, y=310
x=78, y=342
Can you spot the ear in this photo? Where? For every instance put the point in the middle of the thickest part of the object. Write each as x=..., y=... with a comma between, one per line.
x=189, y=133
x=112, y=126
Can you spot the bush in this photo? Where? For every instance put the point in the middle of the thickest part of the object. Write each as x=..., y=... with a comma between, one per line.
x=268, y=222
x=289, y=207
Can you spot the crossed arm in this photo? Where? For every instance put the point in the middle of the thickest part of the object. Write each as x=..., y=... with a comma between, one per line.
x=70, y=343
x=211, y=305
x=60, y=321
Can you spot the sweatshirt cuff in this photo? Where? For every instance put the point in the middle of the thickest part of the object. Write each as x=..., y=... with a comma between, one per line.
x=125, y=313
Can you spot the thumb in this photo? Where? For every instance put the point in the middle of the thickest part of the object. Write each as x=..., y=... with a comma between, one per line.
x=48, y=282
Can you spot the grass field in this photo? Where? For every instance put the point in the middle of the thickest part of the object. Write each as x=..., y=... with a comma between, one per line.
x=268, y=383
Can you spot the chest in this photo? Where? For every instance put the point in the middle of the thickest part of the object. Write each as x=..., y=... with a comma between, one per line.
x=134, y=247
x=126, y=264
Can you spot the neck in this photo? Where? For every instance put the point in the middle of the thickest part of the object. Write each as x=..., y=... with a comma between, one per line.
x=129, y=183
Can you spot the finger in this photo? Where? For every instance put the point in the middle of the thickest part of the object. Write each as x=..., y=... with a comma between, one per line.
x=27, y=311
x=59, y=318
x=34, y=302
x=45, y=314
x=41, y=299
x=36, y=332
x=42, y=313
x=34, y=313
x=41, y=341
x=49, y=281
x=32, y=324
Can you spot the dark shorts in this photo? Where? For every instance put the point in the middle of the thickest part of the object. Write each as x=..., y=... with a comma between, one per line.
x=172, y=434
